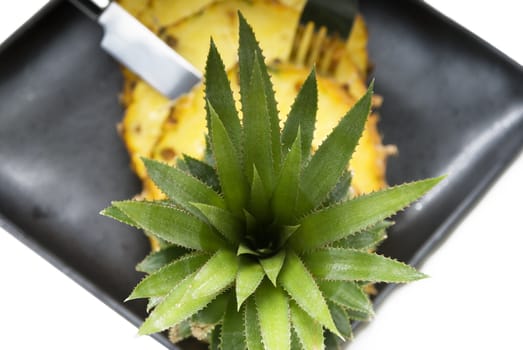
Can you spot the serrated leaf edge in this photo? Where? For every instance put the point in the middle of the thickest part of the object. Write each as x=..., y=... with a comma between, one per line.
x=163, y=268
x=313, y=279
x=422, y=275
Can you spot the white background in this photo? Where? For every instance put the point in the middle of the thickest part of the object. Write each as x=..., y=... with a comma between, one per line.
x=471, y=301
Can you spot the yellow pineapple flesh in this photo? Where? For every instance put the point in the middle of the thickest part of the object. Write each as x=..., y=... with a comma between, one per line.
x=273, y=22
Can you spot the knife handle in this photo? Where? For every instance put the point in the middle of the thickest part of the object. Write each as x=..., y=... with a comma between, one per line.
x=92, y=8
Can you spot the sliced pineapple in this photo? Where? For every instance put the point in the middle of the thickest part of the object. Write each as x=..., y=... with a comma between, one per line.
x=142, y=124
x=135, y=7
x=273, y=22
x=157, y=14
x=130, y=82
x=161, y=13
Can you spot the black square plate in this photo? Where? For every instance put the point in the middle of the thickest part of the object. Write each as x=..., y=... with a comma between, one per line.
x=453, y=105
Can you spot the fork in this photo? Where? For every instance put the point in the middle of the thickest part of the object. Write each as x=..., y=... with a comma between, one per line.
x=320, y=37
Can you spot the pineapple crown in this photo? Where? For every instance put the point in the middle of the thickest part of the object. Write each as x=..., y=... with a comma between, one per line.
x=262, y=246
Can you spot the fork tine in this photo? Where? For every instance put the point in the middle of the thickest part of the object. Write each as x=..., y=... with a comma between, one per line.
x=305, y=42
x=316, y=46
x=319, y=39
x=333, y=53
x=336, y=15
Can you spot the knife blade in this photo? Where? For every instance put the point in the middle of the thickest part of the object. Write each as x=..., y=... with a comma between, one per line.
x=140, y=50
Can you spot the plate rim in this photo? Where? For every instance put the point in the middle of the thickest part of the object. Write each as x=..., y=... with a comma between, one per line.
x=437, y=238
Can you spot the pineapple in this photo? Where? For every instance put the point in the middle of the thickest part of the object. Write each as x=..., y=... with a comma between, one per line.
x=263, y=245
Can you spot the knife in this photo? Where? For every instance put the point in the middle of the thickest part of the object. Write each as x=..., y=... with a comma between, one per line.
x=140, y=50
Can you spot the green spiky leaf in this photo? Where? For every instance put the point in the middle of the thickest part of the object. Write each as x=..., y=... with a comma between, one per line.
x=259, y=199
x=219, y=94
x=214, y=312
x=331, y=158
x=229, y=166
x=117, y=214
x=233, y=336
x=347, y=294
x=252, y=328
x=308, y=330
x=286, y=192
x=245, y=250
x=215, y=275
x=172, y=225
x=156, y=260
x=341, y=319
x=247, y=51
x=257, y=128
x=302, y=116
x=302, y=288
x=226, y=223
x=168, y=313
x=160, y=283
x=249, y=277
x=215, y=338
x=355, y=265
x=193, y=293
x=273, y=315
x=272, y=265
x=336, y=222
x=366, y=239
x=202, y=171
x=152, y=302
x=359, y=315
x=333, y=342
x=340, y=191
x=181, y=187
x=295, y=342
